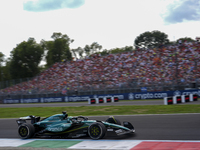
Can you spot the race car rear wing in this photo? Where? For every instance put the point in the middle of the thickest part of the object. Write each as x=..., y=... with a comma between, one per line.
x=22, y=120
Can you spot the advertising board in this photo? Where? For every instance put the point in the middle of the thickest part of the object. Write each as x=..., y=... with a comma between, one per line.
x=122, y=96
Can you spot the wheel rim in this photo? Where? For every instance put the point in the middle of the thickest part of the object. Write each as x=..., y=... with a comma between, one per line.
x=95, y=131
x=23, y=131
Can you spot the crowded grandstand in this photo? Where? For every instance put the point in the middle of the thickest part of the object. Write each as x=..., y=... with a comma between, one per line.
x=157, y=69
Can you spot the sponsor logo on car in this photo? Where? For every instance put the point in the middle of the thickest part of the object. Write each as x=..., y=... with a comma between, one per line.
x=55, y=129
x=119, y=131
x=66, y=125
x=109, y=129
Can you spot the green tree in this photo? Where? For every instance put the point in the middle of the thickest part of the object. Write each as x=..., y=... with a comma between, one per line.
x=116, y=50
x=95, y=47
x=1, y=58
x=91, y=49
x=188, y=39
x=151, y=39
x=104, y=52
x=58, y=49
x=78, y=52
x=1, y=68
x=48, y=46
x=87, y=50
x=121, y=50
x=5, y=74
x=25, y=59
x=128, y=48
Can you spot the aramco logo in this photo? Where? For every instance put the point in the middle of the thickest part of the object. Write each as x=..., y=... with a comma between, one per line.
x=177, y=93
x=131, y=96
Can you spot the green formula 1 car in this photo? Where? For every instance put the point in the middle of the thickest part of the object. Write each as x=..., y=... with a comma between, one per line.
x=62, y=126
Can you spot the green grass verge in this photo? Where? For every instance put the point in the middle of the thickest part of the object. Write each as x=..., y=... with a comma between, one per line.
x=99, y=110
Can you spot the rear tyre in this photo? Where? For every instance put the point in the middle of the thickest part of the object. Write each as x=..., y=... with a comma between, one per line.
x=26, y=130
x=97, y=130
x=113, y=120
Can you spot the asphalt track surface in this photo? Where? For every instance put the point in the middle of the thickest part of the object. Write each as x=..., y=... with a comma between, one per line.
x=148, y=127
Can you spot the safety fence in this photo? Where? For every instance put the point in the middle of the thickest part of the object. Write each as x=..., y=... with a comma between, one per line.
x=100, y=97
x=177, y=99
x=130, y=87
x=108, y=99
x=168, y=68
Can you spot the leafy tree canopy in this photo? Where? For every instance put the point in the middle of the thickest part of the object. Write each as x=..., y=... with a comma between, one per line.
x=91, y=49
x=25, y=59
x=58, y=49
x=188, y=39
x=78, y=52
x=121, y=50
x=1, y=58
x=1, y=67
x=151, y=39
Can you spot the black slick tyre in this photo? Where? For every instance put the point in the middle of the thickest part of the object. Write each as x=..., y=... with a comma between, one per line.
x=96, y=130
x=26, y=130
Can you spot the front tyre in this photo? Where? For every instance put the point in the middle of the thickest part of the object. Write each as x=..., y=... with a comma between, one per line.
x=96, y=130
x=26, y=130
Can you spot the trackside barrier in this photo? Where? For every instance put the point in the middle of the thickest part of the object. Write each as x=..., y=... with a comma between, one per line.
x=195, y=97
x=191, y=97
x=107, y=99
x=168, y=100
x=100, y=100
x=183, y=98
x=187, y=98
x=103, y=100
x=115, y=99
x=177, y=99
x=180, y=99
x=92, y=100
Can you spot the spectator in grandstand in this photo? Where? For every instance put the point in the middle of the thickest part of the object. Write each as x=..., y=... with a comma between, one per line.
x=164, y=65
